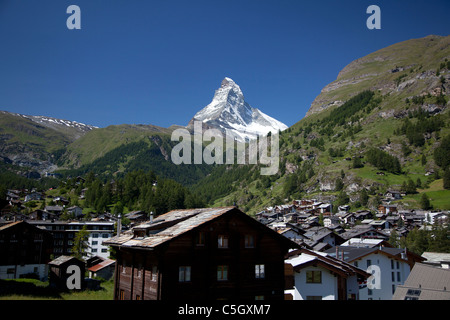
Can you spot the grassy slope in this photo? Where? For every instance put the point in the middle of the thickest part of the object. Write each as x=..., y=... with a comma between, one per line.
x=439, y=197
x=20, y=131
x=98, y=142
x=374, y=70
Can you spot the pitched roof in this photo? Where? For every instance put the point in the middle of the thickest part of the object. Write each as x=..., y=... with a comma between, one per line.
x=304, y=257
x=175, y=223
x=61, y=260
x=351, y=253
x=6, y=226
x=366, y=242
x=103, y=264
x=21, y=222
x=425, y=282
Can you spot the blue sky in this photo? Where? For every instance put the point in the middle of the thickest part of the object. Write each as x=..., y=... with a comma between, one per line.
x=159, y=62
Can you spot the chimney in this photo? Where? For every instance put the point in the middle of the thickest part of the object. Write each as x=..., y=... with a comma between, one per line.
x=119, y=224
x=403, y=255
x=151, y=217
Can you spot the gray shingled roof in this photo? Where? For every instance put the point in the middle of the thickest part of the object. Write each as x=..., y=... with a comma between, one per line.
x=425, y=282
x=61, y=260
x=170, y=225
x=182, y=220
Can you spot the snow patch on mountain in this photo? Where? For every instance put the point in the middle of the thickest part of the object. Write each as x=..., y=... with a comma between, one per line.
x=232, y=115
x=48, y=121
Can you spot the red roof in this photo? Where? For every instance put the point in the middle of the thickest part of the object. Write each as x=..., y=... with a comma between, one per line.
x=101, y=265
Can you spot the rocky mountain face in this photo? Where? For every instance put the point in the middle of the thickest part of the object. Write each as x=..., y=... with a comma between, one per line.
x=233, y=116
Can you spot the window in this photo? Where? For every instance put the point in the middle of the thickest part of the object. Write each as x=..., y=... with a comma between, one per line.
x=122, y=295
x=105, y=235
x=398, y=265
x=369, y=292
x=184, y=274
x=392, y=276
x=222, y=273
x=140, y=233
x=369, y=263
x=392, y=264
x=154, y=273
x=399, y=278
x=222, y=241
x=259, y=271
x=393, y=288
x=412, y=294
x=95, y=235
x=249, y=241
x=94, y=243
x=200, y=239
x=313, y=276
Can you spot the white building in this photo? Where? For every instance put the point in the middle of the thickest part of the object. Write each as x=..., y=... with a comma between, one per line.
x=389, y=268
x=64, y=233
x=318, y=276
x=330, y=221
x=98, y=232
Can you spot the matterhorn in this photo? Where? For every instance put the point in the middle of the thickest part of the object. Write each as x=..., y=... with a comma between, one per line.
x=233, y=116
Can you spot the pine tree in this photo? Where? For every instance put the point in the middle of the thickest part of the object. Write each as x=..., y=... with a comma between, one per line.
x=81, y=245
x=447, y=178
x=364, y=197
x=424, y=160
x=425, y=202
x=339, y=184
x=442, y=153
x=393, y=239
x=411, y=187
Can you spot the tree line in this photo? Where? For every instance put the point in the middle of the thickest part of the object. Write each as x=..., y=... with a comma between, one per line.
x=436, y=239
x=138, y=190
x=383, y=161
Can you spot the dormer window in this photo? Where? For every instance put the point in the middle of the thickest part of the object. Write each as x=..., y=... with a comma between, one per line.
x=139, y=233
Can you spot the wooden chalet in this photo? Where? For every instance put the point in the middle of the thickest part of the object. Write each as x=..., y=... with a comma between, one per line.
x=24, y=250
x=200, y=254
x=59, y=273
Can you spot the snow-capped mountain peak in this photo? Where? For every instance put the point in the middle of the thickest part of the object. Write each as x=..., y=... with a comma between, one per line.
x=231, y=114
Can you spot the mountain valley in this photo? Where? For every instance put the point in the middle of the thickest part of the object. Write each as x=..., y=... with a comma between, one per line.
x=377, y=127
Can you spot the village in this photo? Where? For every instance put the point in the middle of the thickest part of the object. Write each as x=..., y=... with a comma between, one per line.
x=304, y=250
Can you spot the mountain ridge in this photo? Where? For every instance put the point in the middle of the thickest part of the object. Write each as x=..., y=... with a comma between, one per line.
x=381, y=69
